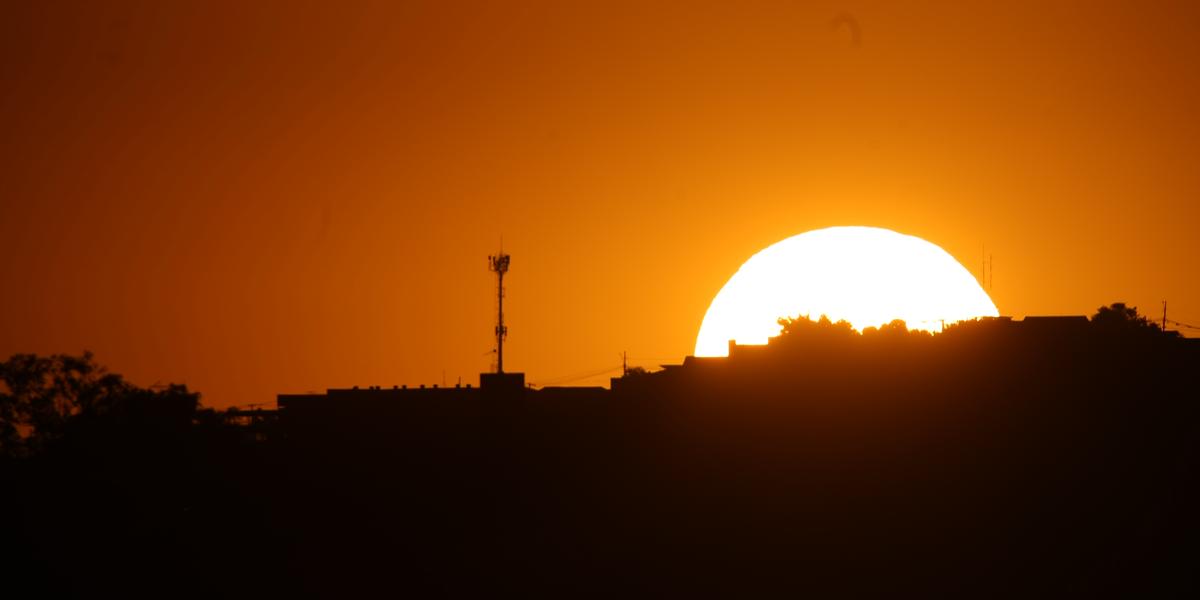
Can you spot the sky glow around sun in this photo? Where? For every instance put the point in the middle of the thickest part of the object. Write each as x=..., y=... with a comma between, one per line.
x=866, y=275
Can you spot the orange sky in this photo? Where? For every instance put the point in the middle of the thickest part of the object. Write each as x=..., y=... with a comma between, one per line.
x=253, y=199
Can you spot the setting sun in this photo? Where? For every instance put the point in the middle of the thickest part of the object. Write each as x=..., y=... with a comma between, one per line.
x=865, y=275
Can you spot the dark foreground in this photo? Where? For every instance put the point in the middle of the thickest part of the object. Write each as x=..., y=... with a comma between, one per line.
x=980, y=462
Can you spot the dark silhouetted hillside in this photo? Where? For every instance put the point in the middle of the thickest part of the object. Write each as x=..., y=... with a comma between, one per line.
x=1049, y=456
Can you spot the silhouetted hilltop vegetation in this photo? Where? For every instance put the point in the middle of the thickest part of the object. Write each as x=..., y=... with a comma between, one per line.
x=1000, y=457
x=110, y=488
x=47, y=399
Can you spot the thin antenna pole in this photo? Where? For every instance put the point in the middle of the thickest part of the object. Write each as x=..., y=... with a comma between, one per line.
x=1164, y=325
x=499, y=265
x=983, y=265
x=991, y=273
x=500, y=323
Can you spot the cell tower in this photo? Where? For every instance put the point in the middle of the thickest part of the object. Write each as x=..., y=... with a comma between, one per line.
x=499, y=265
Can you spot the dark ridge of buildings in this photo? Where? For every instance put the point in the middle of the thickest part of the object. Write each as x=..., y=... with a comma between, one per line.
x=1031, y=454
x=375, y=400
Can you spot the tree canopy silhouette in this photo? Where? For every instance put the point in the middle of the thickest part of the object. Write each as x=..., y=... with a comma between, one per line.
x=803, y=324
x=41, y=397
x=1119, y=317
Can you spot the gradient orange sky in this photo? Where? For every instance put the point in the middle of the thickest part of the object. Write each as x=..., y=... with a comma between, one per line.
x=254, y=197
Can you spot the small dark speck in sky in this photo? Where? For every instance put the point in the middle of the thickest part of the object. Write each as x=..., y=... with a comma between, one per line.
x=850, y=24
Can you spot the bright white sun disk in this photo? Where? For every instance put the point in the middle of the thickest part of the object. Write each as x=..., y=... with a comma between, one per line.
x=865, y=275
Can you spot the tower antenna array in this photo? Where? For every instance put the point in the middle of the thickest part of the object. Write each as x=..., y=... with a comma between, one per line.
x=498, y=264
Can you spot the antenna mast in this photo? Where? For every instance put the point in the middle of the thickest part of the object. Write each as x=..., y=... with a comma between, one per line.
x=498, y=264
x=983, y=266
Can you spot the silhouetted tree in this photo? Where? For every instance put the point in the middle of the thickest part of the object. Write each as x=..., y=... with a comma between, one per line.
x=896, y=327
x=804, y=325
x=1119, y=317
x=41, y=396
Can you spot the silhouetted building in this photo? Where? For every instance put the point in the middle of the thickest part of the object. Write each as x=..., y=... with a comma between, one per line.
x=512, y=385
x=504, y=384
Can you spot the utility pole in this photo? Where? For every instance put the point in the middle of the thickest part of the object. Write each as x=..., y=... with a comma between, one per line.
x=1164, y=325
